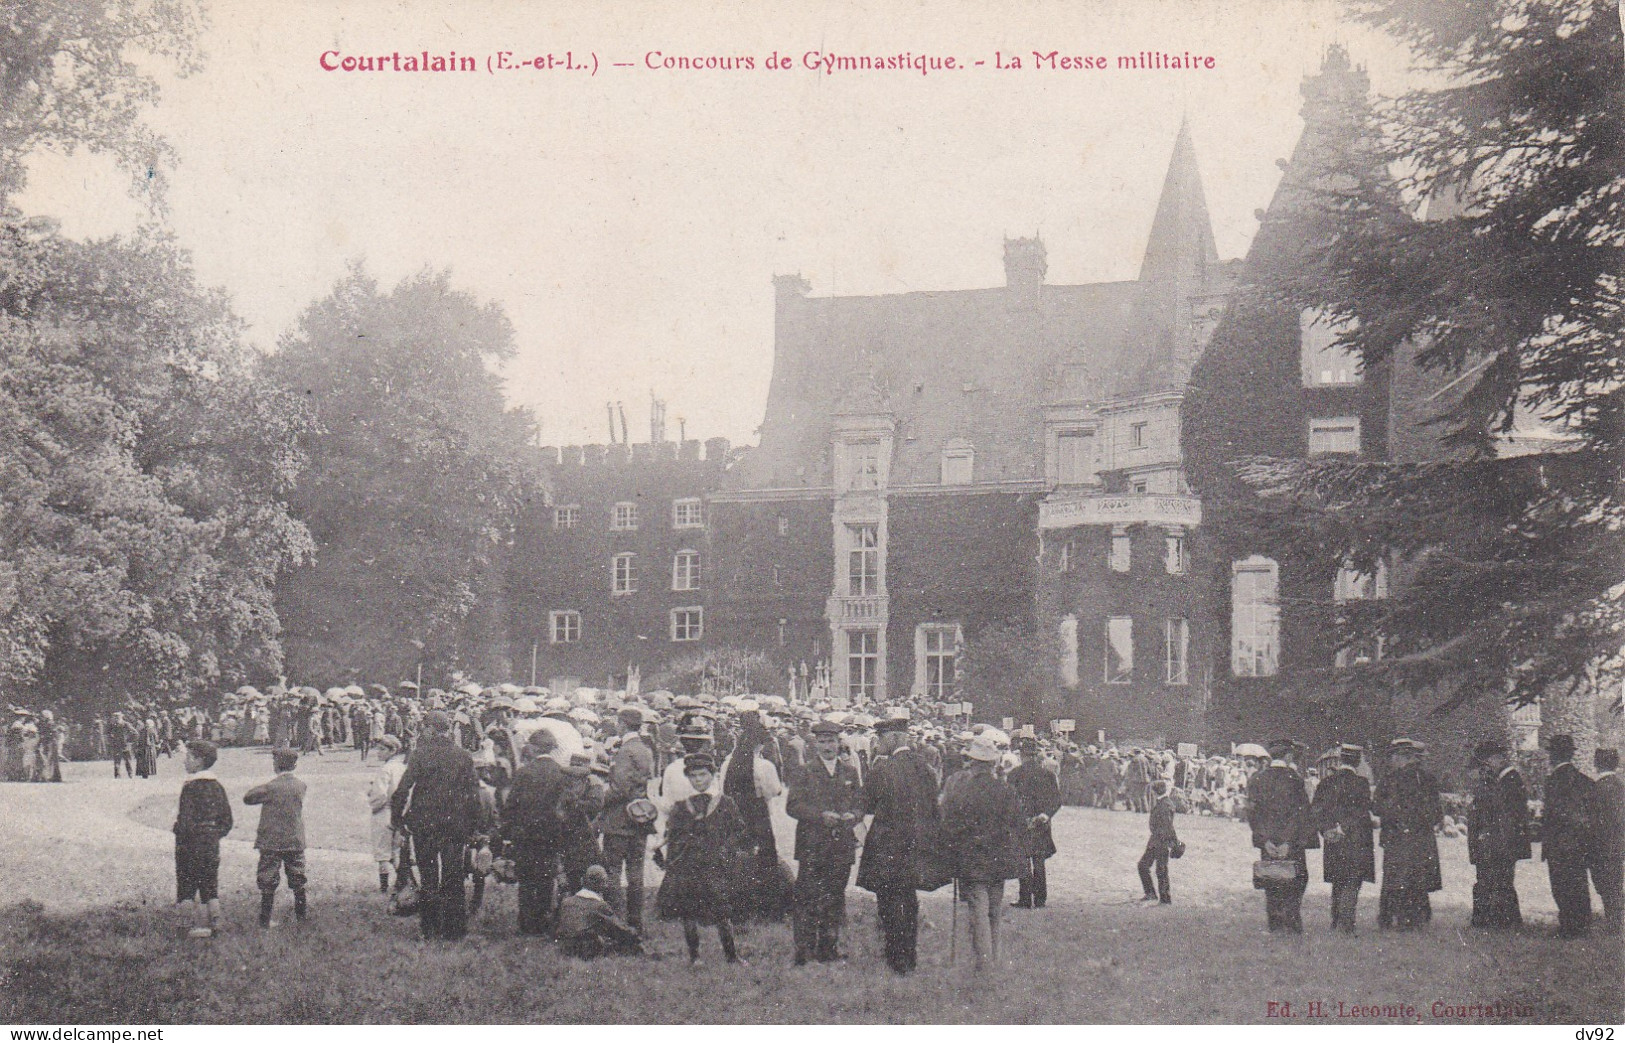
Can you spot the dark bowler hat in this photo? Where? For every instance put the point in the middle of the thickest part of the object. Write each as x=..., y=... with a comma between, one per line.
x=1561, y=747
x=1280, y=746
x=826, y=728
x=699, y=762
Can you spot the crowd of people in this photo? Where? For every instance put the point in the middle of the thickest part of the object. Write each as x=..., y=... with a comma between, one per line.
x=569, y=798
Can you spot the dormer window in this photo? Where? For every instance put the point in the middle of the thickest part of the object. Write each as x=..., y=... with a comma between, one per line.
x=1325, y=364
x=958, y=463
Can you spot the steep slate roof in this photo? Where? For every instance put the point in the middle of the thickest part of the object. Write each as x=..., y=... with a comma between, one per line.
x=978, y=365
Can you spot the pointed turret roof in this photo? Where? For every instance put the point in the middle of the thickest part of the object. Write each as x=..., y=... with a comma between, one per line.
x=1181, y=242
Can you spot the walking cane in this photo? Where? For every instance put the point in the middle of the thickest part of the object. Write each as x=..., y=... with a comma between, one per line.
x=953, y=937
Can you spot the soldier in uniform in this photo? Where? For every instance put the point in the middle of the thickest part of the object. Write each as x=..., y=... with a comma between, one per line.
x=1497, y=836
x=1279, y=814
x=1608, y=824
x=1407, y=801
x=826, y=800
x=1565, y=840
x=1341, y=810
x=901, y=794
x=1040, y=795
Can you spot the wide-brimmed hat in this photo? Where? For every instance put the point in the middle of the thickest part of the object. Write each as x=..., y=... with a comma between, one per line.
x=982, y=748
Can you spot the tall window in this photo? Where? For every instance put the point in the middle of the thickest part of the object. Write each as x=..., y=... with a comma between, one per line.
x=1173, y=555
x=1065, y=560
x=624, y=569
x=1136, y=435
x=1068, y=630
x=1324, y=363
x=940, y=665
x=863, y=465
x=1339, y=434
x=624, y=517
x=1075, y=457
x=862, y=663
x=566, y=517
x=863, y=561
x=784, y=525
x=958, y=463
x=687, y=624
x=1119, y=650
x=1176, y=645
x=1121, y=548
x=564, y=627
x=685, y=570
x=687, y=514
x=1255, y=618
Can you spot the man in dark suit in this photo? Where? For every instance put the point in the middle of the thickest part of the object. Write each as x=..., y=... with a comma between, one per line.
x=1565, y=838
x=1278, y=811
x=826, y=800
x=901, y=794
x=534, y=831
x=1341, y=812
x=1497, y=836
x=438, y=801
x=1608, y=836
x=1040, y=795
x=1407, y=801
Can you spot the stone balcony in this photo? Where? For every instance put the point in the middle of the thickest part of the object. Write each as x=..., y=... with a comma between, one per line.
x=869, y=610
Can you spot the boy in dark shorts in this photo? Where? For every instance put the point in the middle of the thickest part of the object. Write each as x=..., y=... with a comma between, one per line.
x=281, y=836
x=204, y=817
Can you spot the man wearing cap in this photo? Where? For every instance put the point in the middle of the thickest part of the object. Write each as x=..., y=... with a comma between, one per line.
x=1608, y=835
x=438, y=801
x=1341, y=810
x=1407, y=801
x=1278, y=810
x=826, y=800
x=1040, y=795
x=901, y=794
x=625, y=837
x=1497, y=836
x=1565, y=839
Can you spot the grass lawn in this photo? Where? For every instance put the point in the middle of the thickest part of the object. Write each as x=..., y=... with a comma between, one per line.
x=91, y=937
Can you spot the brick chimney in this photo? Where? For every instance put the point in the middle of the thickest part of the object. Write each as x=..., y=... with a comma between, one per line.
x=1024, y=268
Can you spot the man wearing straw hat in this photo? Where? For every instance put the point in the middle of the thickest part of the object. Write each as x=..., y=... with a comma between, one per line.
x=1341, y=810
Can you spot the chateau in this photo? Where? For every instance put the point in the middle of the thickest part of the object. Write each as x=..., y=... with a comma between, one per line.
x=932, y=466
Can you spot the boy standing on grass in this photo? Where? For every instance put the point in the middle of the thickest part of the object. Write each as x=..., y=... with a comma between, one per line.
x=204, y=817
x=281, y=837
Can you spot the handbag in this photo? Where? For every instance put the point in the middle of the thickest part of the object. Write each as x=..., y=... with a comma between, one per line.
x=1176, y=849
x=1273, y=872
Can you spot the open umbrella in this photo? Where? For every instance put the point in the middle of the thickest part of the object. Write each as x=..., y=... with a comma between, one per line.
x=1250, y=749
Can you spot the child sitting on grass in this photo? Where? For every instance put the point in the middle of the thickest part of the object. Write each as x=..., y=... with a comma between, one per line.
x=203, y=818
x=281, y=836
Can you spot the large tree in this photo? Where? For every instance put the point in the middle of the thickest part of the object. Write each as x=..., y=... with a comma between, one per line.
x=72, y=75
x=142, y=469
x=1507, y=289
x=417, y=472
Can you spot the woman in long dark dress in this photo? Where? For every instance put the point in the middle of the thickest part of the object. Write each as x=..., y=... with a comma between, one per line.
x=765, y=885
x=704, y=836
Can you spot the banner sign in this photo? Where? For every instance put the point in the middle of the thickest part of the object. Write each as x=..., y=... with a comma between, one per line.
x=1120, y=510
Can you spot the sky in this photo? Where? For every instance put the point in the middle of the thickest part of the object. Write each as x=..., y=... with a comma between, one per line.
x=630, y=220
